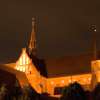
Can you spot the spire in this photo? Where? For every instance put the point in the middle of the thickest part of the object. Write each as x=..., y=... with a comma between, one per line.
x=32, y=42
x=33, y=24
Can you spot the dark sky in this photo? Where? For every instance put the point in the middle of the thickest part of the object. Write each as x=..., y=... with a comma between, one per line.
x=62, y=26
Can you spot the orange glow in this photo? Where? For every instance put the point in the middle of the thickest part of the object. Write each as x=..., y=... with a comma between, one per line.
x=84, y=79
x=96, y=69
x=23, y=63
x=42, y=84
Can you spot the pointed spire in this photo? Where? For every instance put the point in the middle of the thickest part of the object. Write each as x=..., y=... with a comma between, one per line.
x=33, y=24
x=32, y=42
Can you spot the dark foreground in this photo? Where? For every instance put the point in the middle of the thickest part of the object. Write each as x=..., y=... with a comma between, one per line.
x=72, y=92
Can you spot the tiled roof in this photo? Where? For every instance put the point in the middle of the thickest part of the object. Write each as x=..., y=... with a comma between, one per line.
x=68, y=65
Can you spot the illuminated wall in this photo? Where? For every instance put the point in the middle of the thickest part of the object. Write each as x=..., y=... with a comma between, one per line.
x=84, y=79
x=37, y=81
x=96, y=69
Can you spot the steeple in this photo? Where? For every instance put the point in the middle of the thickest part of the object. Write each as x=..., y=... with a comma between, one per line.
x=32, y=42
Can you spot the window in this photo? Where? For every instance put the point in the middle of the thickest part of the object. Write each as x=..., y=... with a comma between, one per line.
x=58, y=90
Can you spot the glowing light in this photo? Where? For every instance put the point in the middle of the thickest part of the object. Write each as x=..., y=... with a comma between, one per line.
x=20, y=62
x=69, y=81
x=62, y=81
x=24, y=59
x=17, y=68
x=52, y=82
x=23, y=63
x=27, y=60
x=89, y=79
x=23, y=69
x=95, y=30
x=85, y=80
x=74, y=80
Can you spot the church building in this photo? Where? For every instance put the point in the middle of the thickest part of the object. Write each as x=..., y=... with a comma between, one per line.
x=51, y=75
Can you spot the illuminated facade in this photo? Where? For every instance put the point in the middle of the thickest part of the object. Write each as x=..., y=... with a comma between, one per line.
x=95, y=66
x=24, y=62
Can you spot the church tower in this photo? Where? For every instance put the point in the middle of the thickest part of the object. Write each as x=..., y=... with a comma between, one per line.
x=32, y=48
x=32, y=41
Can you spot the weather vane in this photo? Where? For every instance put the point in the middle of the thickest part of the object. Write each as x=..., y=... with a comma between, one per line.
x=93, y=30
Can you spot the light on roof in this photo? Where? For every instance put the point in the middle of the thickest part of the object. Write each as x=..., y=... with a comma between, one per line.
x=23, y=69
x=89, y=79
x=85, y=79
x=52, y=82
x=62, y=81
x=69, y=80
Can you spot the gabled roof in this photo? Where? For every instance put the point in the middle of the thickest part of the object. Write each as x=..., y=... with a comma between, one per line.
x=40, y=65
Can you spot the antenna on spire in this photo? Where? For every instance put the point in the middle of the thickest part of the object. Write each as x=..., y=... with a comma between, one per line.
x=33, y=24
x=32, y=41
x=93, y=29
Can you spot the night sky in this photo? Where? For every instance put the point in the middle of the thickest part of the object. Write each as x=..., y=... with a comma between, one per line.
x=61, y=29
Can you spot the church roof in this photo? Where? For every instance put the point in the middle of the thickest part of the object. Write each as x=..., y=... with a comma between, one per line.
x=40, y=65
x=69, y=65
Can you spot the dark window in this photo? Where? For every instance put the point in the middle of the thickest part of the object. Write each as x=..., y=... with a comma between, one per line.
x=58, y=90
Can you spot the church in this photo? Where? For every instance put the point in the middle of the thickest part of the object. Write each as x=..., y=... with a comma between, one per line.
x=51, y=75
